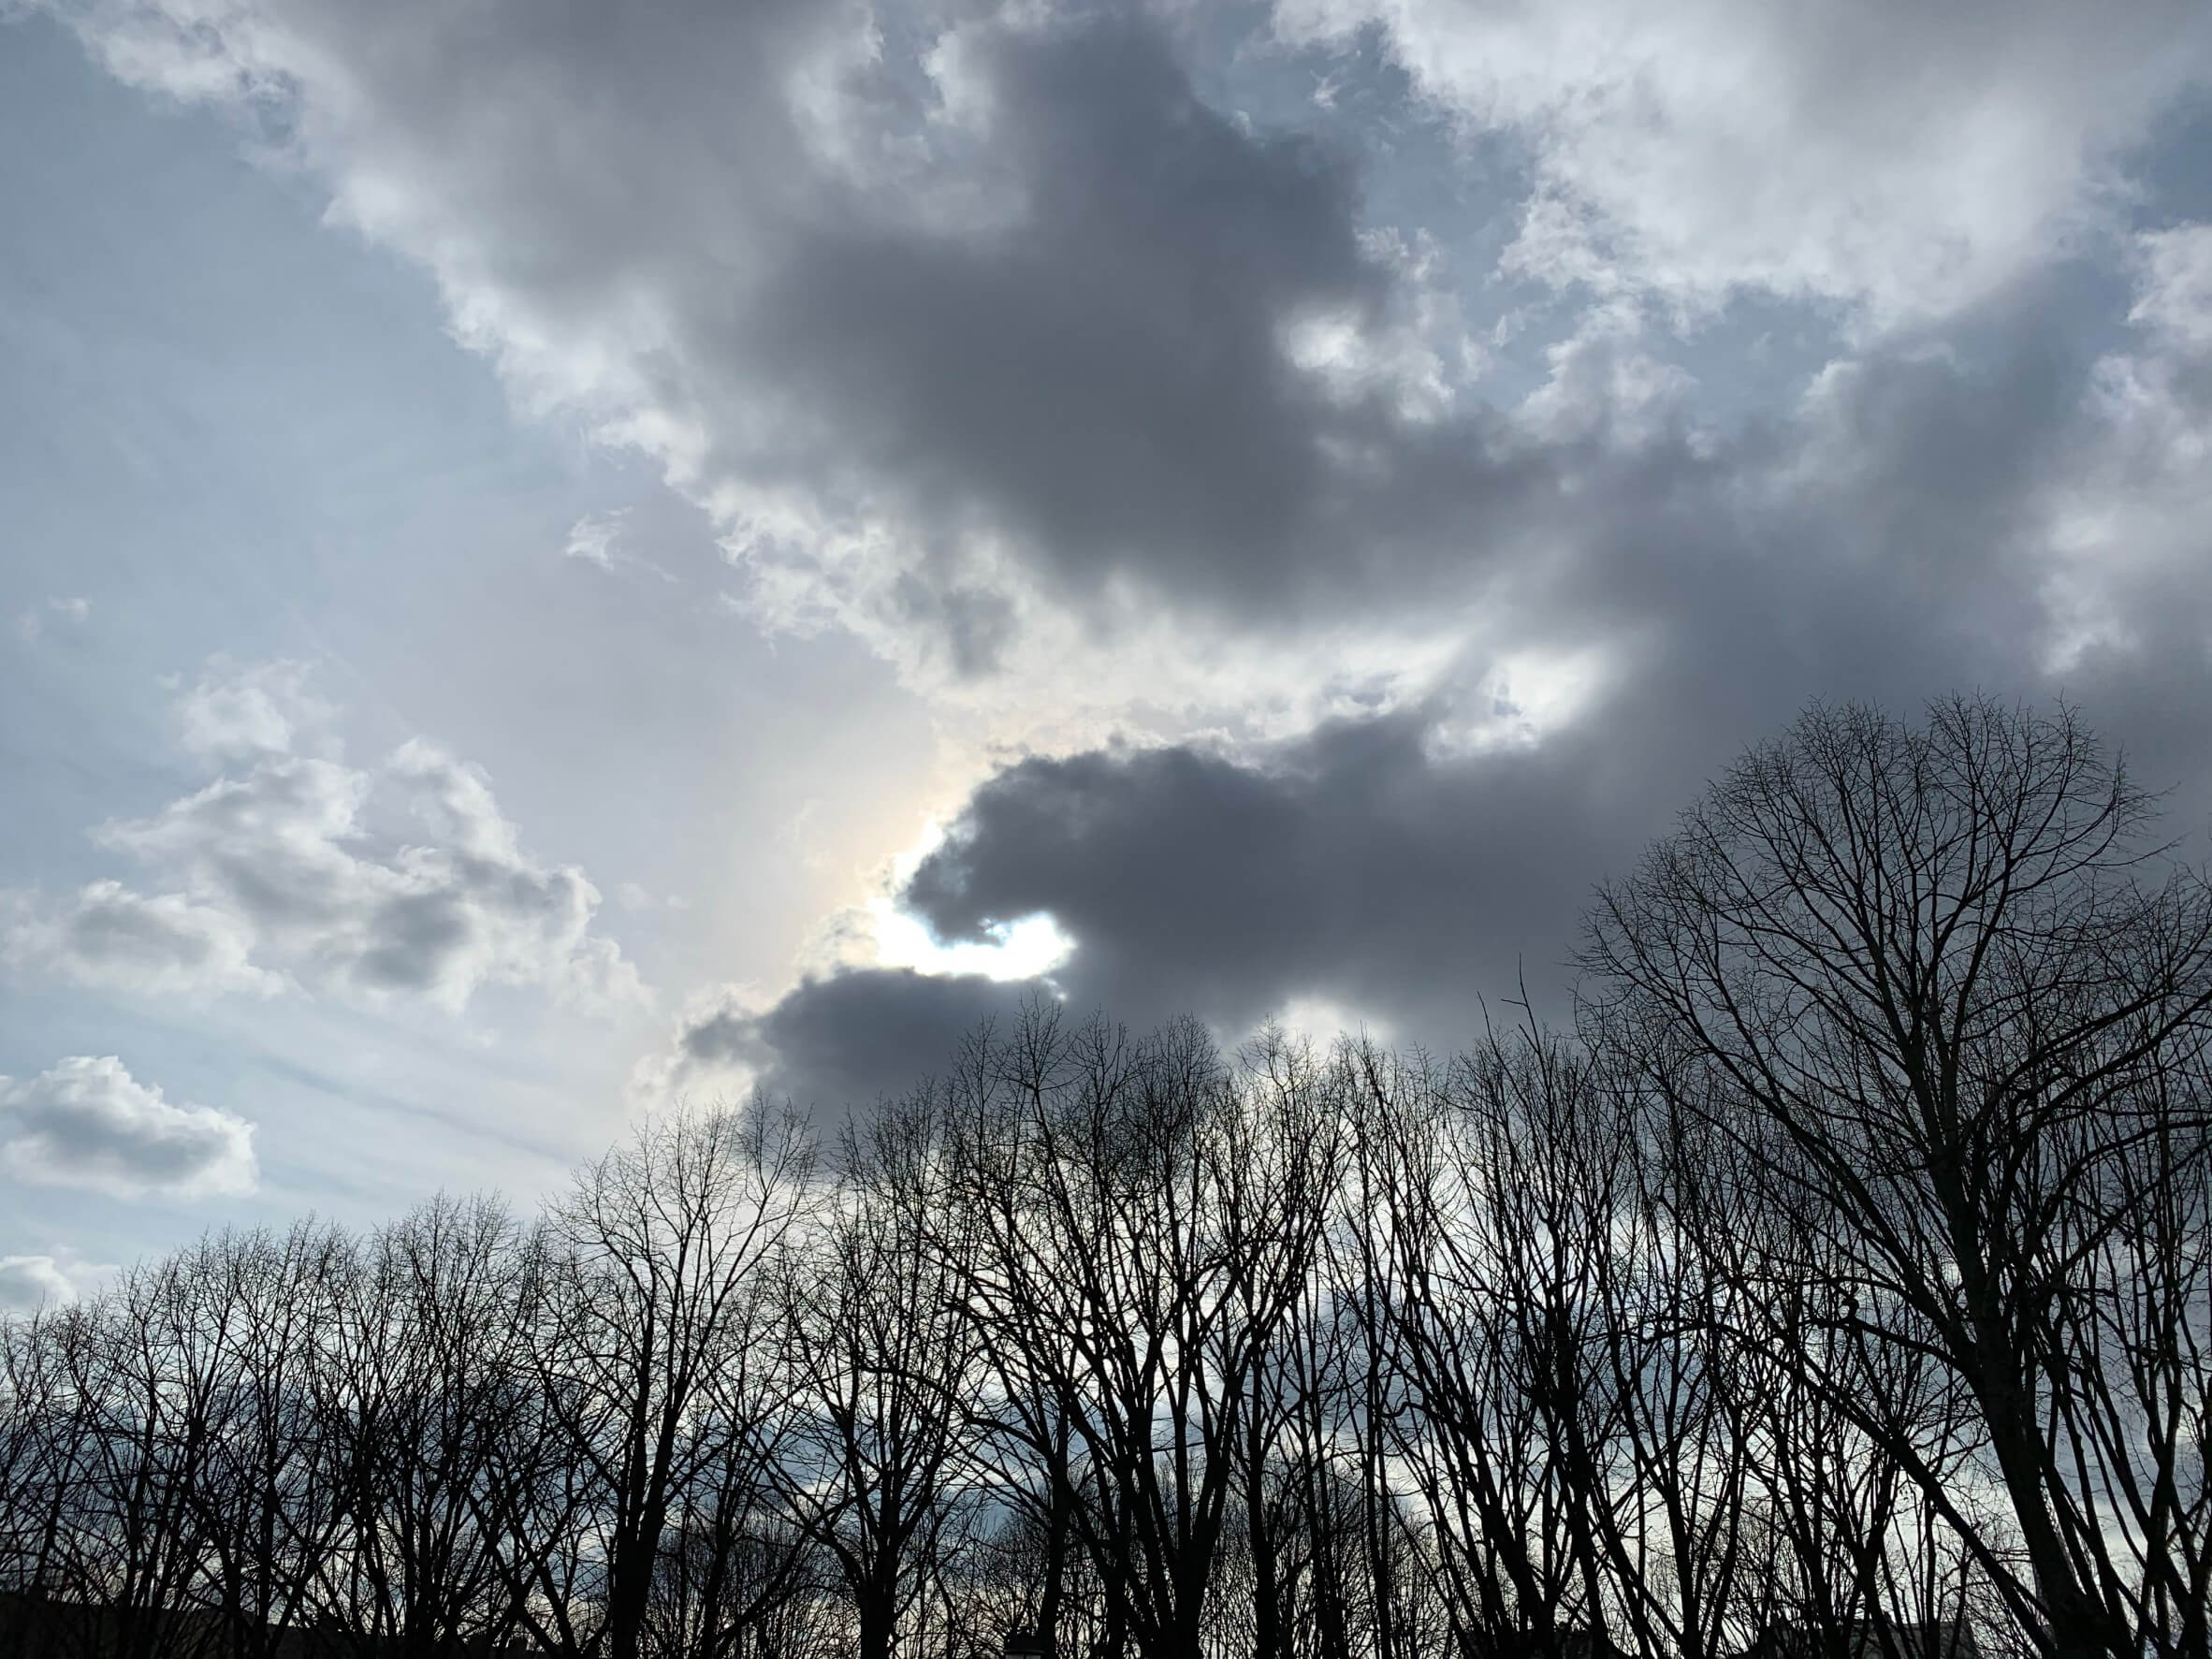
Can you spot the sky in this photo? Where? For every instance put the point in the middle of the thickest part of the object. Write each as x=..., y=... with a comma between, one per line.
x=559, y=560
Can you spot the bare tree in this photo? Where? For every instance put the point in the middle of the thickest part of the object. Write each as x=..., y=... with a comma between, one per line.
x=268, y=1501
x=41, y=1447
x=1926, y=981
x=1140, y=1236
x=645, y=1278
x=422, y=1385
x=147, y=1367
x=885, y=1373
x=1498, y=1228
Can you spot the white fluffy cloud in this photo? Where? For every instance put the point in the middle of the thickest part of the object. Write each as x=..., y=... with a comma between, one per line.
x=2122, y=519
x=88, y=1123
x=1895, y=158
x=295, y=868
x=241, y=712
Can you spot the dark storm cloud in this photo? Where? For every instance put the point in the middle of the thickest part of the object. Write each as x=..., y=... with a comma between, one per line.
x=855, y=1038
x=1348, y=866
x=1105, y=378
x=1369, y=867
x=1351, y=871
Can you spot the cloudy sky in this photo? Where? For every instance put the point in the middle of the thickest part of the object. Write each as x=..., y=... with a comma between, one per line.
x=556, y=556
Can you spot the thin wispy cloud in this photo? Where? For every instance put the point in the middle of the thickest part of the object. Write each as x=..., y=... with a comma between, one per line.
x=72, y=611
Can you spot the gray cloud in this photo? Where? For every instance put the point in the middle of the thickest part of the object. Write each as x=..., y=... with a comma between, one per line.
x=980, y=347
x=983, y=334
x=88, y=1123
x=1121, y=401
x=112, y=934
x=1348, y=870
x=842, y=1039
x=994, y=342
x=1405, y=864
x=1349, y=867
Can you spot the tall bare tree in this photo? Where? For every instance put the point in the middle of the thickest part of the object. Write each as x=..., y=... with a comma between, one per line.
x=648, y=1278
x=423, y=1385
x=1137, y=1210
x=271, y=1500
x=1932, y=982
x=884, y=1375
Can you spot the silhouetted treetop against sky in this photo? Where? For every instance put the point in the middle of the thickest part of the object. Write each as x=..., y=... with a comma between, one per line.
x=1840, y=1283
x=1004, y=641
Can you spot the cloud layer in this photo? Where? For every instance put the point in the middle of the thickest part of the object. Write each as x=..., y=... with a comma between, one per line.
x=88, y=1123
x=1366, y=462
x=985, y=335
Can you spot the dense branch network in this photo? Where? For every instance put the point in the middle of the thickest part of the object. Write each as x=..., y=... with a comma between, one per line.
x=1838, y=1288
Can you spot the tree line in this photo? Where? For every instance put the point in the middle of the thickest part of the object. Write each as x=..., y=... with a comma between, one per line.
x=1837, y=1286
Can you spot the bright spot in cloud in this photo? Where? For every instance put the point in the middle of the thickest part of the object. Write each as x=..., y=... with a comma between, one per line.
x=1525, y=697
x=1321, y=1020
x=1026, y=948
x=887, y=935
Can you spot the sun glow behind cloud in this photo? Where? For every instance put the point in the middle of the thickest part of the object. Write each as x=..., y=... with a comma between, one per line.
x=1527, y=696
x=1029, y=947
x=1023, y=947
